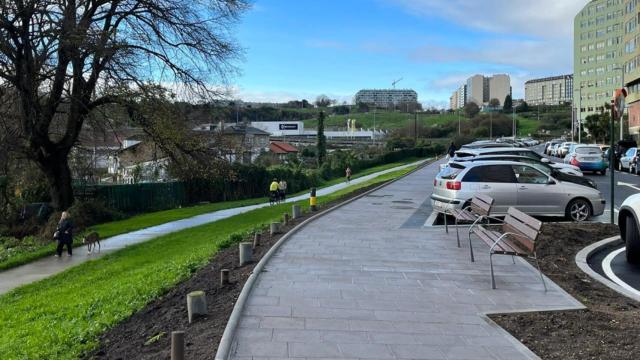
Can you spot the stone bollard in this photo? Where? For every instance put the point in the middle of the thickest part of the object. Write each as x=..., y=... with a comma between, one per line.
x=224, y=277
x=285, y=219
x=295, y=211
x=177, y=345
x=246, y=253
x=275, y=228
x=256, y=240
x=196, y=305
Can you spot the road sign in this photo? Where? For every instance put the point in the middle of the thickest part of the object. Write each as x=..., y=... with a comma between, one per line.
x=619, y=103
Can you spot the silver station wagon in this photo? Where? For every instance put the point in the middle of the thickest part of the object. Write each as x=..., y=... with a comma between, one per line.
x=514, y=184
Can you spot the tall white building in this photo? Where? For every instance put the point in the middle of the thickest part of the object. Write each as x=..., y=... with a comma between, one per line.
x=475, y=89
x=480, y=89
x=386, y=97
x=499, y=87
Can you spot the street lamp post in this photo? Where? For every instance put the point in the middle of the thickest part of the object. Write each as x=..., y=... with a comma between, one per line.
x=514, y=122
x=621, y=117
x=579, y=114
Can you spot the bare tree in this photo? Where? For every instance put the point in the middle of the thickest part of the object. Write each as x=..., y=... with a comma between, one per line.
x=63, y=59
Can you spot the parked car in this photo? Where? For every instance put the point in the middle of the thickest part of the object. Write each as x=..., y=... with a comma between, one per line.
x=483, y=145
x=570, y=169
x=563, y=149
x=588, y=158
x=629, y=224
x=514, y=184
x=554, y=149
x=621, y=148
x=629, y=161
x=549, y=146
x=560, y=171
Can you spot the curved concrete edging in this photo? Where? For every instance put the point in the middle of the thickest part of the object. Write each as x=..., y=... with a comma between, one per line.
x=582, y=258
x=226, y=342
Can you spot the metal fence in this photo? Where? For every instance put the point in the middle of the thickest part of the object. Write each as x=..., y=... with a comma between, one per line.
x=136, y=198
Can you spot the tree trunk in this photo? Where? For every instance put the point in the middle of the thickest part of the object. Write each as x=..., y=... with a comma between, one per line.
x=58, y=174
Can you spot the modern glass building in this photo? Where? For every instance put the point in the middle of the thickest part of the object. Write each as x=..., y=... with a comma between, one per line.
x=598, y=54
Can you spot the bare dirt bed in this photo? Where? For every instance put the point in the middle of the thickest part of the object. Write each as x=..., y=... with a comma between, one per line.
x=146, y=334
x=607, y=329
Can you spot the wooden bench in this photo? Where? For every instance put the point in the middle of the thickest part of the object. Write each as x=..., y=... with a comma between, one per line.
x=478, y=209
x=517, y=237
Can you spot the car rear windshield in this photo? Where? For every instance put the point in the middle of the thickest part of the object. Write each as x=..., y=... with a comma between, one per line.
x=588, y=151
x=451, y=171
x=464, y=154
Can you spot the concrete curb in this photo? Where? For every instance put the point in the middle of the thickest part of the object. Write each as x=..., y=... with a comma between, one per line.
x=582, y=258
x=226, y=342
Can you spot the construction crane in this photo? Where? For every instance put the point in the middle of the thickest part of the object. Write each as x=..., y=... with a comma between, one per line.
x=395, y=82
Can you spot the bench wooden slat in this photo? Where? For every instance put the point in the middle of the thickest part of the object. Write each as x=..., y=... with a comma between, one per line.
x=521, y=223
x=525, y=241
x=524, y=218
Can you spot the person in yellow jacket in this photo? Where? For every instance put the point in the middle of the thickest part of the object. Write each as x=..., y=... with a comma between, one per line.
x=273, y=191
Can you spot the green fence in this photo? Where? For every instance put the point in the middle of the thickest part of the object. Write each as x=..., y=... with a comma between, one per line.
x=136, y=198
x=248, y=182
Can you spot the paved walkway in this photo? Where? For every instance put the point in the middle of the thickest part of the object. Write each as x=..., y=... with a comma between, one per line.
x=368, y=282
x=46, y=267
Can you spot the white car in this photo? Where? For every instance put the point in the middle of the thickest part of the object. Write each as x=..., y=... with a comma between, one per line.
x=629, y=224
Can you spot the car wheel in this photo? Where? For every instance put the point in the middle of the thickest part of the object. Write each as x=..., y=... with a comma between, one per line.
x=632, y=239
x=579, y=210
x=603, y=172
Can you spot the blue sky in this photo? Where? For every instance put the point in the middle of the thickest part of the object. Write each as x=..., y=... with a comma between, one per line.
x=300, y=49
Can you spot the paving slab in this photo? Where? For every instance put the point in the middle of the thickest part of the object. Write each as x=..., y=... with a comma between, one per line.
x=369, y=281
x=45, y=267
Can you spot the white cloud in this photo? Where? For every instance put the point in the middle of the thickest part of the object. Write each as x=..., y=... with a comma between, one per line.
x=539, y=18
x=530, y=54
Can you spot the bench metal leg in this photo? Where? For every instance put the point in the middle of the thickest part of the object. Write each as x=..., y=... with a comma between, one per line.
x=446, y=226
x=493, y=279
x=457, y=233
x=471, y=247
x=540, y=271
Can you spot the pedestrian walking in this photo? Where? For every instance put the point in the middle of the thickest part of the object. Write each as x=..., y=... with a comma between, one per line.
x=347, y=173
x=64, y=234
x=452, y=150
x=273, y=192
x=282, y=189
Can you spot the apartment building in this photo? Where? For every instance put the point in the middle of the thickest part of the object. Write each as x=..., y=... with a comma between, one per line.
x=386, y=97
x=453, y=101
x=631, y=40
x=553, y=90
x=499, y=87
x=462, y=96
x=598, y=54
x=481, y=89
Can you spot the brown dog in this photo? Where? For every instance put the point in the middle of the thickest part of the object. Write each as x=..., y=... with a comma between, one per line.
x=91, y=240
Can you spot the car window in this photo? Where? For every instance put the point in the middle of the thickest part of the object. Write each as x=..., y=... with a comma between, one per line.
x=542, y=167
x=451, y=172
x=490, y=174
x=529, y=175
x=589, y=150
x=629, y=152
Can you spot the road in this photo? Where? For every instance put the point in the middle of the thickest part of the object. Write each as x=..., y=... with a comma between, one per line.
x=626, y=185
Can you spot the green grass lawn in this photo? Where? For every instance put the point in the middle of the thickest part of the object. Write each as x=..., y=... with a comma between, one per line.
x=61, y=317
x=36, y=251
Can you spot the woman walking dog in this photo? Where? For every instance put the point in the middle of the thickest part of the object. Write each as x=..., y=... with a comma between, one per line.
x=64, y=234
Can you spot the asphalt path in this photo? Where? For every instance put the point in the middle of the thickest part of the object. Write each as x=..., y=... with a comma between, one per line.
x=626, y=184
